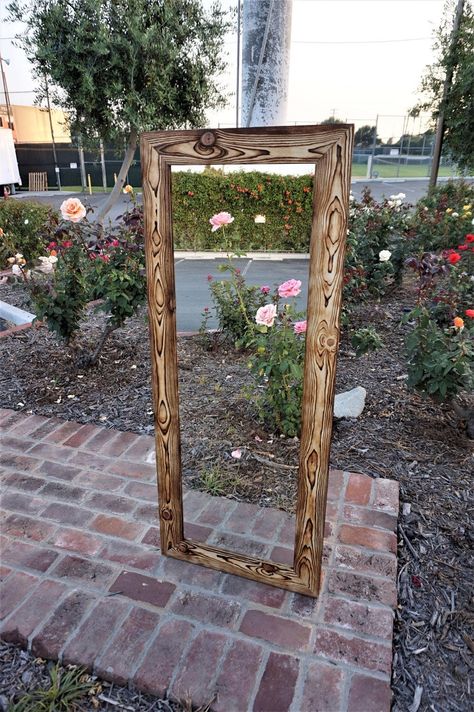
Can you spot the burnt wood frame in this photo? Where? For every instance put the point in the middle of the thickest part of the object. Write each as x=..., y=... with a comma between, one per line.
x=330, y=148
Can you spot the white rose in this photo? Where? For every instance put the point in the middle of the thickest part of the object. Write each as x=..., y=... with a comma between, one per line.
x=52, y=259
x=26, y=221
x=454, y=215
x=18, y=256
x=46, y=267
x=384, y=255
x=16, y=270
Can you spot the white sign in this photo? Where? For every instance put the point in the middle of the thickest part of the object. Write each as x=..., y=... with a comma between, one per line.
x=8, y=164
x=73, y=165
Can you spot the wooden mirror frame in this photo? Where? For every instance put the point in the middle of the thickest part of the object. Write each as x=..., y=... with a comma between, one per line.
x=330, y=148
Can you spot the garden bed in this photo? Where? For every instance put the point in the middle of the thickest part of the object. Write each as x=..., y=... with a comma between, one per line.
x=400, y=435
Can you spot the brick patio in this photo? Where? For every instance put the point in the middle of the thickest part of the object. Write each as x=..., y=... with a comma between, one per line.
x=83, y=580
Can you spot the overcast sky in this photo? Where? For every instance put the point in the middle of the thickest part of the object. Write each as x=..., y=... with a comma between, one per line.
x=359, y=58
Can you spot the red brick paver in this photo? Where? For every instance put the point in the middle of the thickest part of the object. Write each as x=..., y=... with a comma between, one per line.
x=83, y=580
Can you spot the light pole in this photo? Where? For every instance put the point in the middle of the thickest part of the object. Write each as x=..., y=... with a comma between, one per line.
x=5, y=91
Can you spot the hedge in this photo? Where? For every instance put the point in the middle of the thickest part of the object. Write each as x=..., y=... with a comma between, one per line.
x=286, y=202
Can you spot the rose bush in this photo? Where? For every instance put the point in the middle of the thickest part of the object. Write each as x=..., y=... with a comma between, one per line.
x=443, y=217
x=440, y=342
x=83, y=264
x=277, y=360
x=26, y=227
x=235, y=302
x=376, y=246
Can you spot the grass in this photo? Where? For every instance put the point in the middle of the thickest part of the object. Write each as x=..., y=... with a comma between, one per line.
x=359, y=170
x=215, y=481
x=67, y=688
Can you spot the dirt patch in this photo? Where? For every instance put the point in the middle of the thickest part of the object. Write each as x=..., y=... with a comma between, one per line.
x=400, y=435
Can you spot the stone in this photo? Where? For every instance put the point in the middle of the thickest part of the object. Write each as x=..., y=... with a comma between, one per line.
x=350, y=404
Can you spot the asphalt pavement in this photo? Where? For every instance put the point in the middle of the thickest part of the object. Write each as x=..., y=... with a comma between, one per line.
x=192, y=283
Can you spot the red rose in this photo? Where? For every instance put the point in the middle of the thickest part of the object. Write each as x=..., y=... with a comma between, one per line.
x=453, y=258
x=469, y=313
x=469, y=238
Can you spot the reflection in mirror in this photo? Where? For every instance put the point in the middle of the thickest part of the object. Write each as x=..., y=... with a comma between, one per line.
x=241, y=280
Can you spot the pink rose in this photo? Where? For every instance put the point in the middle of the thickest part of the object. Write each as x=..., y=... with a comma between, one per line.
x=300, y=327
x=266, y=315
x=73, y=210
x=220, y=219
x=264, y=289
x=291, y=288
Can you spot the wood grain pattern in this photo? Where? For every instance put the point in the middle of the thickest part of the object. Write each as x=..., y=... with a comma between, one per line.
x=329, y=147
x=162, y=322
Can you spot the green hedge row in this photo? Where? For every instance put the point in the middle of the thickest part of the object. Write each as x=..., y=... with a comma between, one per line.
x=286, y=202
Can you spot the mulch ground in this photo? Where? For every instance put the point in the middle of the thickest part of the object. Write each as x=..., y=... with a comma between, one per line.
x=400, y=435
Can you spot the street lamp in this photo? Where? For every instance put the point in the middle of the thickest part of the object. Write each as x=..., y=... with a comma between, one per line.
x=5, y=91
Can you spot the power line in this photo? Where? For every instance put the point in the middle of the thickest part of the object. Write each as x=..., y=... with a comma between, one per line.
x=327, y=42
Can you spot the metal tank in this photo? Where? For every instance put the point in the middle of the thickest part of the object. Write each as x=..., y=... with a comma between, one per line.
x=266, y=35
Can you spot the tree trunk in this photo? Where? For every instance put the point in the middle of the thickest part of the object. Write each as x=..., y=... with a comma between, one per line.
x=117, y=189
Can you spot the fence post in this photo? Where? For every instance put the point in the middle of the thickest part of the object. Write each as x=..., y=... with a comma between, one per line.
x=82, y=165
x=369, y=167
x=102, y=162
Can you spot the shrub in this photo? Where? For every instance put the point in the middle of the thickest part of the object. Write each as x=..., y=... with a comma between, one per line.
x=85, y=264
x=443, y=217
x=61, y=300
x=27, y=227
x=365, y=340
x=376, y=246
x=235, y=303
x=440, y=344
x=277, y=362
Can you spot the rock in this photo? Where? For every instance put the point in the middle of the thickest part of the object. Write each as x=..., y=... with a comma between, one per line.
x=350, y=404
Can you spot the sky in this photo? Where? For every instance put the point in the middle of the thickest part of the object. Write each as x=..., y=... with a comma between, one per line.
x=356, y=58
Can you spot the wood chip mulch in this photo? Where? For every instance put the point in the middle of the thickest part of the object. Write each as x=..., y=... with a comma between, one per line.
x=400, y=435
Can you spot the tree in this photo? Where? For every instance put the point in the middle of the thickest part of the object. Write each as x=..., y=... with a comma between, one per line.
x=364, y=136
x=455, y=59
x=332, y=120
x=119, y=67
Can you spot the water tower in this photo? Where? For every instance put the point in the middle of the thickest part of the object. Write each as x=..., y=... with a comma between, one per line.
x=266, y=35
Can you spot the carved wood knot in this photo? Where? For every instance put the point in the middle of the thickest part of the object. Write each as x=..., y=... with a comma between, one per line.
x=183, y=547
x=207, y=139
x=166, y=514
x=269, y=568
x=328, y=341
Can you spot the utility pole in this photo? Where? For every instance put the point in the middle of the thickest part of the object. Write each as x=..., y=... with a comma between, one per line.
x=102, y=163
x=374, y=144
x=5, y=91
x=447, y=85
x=55, y=156
x=237, y=87
x=82, y=165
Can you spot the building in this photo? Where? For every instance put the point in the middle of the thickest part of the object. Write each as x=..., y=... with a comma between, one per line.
x=31, y=124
